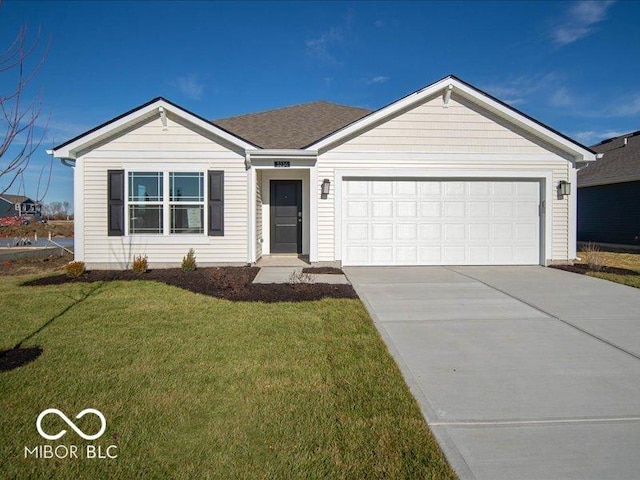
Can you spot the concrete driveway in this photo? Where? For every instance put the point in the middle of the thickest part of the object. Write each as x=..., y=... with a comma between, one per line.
x=521, y=372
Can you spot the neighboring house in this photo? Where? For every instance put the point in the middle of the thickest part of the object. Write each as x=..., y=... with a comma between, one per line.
x=609, y=193
x=446, y=175
x=18, y=205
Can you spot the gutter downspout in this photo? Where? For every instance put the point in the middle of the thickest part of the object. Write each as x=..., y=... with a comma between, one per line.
x=67, y=162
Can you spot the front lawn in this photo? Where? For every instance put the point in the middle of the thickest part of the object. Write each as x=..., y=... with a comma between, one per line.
x=619, y=260
x=199, y=387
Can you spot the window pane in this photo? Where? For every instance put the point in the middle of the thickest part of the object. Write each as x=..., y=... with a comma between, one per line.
x=186, y=187
x=187, y=219
x=145, y=186
x=145, y=218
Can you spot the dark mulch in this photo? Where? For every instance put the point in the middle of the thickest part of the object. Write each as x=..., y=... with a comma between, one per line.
x=323, y=270
x=584, y=269
x=230, y=283
x=17, y=357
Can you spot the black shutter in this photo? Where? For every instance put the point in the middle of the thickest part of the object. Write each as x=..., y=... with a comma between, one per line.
x=216, y=203
x=115, y=187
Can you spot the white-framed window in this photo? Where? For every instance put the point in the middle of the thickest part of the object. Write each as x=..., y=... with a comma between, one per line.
x=165, y=203
x=145, y=202
x=186, y=202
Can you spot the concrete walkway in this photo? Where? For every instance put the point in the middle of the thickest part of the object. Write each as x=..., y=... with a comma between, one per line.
x=521, y=372
x=284, y=275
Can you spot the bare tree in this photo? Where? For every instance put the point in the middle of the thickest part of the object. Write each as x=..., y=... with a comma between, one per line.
x=19, y=115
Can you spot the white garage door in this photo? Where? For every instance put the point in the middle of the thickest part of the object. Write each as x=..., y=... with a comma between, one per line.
x=426, y=222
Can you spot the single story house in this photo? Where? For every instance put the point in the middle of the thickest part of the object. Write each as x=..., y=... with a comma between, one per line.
x=609, y=193
x=18, y=206
x=447, y=175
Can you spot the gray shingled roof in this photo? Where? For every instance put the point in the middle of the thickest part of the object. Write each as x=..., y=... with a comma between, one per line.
x=14, y=198
x=620, y=163
x=292, y=127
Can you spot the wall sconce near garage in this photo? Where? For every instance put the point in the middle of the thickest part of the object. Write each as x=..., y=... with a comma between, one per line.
x=564, y=188
x=326, y=187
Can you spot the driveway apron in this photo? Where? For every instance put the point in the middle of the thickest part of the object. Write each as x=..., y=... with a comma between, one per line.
x=521, y=372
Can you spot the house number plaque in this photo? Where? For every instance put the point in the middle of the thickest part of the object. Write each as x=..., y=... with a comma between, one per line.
x=281, y=164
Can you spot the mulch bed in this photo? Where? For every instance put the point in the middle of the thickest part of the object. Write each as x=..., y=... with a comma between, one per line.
x=229, y=283
x=323, y=270
x=583, y=268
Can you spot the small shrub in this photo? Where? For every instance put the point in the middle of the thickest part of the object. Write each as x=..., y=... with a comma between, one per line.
x=74, y=269
x=140, y=264
x=189, y=262
x=593, y=257
x=300, y=277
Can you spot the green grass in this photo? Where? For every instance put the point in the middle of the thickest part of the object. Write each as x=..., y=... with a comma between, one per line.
x=196, y=387
x=630, y=280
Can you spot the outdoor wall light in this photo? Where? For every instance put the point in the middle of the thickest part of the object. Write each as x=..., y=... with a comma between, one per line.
x=564, y=188
x=326, y=186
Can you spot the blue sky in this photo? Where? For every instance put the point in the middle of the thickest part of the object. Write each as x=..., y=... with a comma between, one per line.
x=573, y=65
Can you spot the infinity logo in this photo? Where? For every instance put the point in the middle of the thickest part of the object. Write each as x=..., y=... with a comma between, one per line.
x=46, y=412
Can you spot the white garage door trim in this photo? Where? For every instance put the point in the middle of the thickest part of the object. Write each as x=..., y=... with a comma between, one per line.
x=544, y=177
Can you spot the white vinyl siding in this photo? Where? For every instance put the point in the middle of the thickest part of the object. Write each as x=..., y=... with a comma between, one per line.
x=145, y=149
x=458, y=138
x=151, y=136
x=430, y=128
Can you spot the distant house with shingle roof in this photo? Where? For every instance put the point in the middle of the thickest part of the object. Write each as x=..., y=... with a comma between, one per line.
x=18, y=205
x=609, y=193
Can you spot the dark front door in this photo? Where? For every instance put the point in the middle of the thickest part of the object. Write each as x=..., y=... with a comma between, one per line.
x=286, y=216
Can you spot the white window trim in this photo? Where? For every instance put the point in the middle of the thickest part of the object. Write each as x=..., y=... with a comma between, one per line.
x=166, y=204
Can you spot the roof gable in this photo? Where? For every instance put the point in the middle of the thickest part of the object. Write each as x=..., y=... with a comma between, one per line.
x=155, y=108
x=620, y=162
x=445, y=86
x=15, y=198
x=292, y=127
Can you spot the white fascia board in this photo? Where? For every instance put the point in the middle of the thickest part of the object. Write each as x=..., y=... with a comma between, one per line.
x=467, y=92
x=282, y=153
x=70, y=150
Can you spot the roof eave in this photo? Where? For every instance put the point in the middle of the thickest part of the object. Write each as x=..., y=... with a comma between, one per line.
x=608, y=181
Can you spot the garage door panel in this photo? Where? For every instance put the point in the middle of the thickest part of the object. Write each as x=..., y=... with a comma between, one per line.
x=454, y=209
x=430, y=209
x=429, y=189
x=381, y=255
x=480, y=255
x=423, y=222
x=382, y=189
x=406, y=209
x=454, y=255
x=357, y=231
x=407, y=231
x=480, y=232
x=430, y=231
x=454, y=232
x=357, y=187
x=404, y=189
x=381, y=209
x=430, y=255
